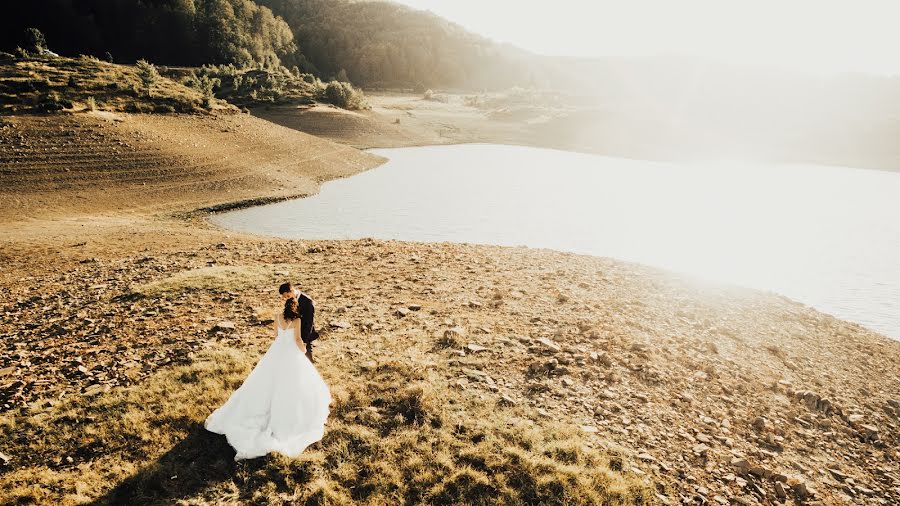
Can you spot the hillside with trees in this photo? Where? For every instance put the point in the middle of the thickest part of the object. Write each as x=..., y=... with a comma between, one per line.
x=368, y=43
x=171, y=32
x=385, y=44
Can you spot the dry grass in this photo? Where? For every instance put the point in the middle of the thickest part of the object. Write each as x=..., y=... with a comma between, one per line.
x=397, y=435
x=216, y=279
x=45, y=84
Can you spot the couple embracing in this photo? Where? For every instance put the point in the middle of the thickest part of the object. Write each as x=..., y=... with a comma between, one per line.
x=284, y=402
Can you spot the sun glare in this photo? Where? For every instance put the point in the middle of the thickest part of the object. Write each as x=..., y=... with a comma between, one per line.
x=820, y=36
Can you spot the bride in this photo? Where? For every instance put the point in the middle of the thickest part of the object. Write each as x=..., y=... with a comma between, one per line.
x=282, y=405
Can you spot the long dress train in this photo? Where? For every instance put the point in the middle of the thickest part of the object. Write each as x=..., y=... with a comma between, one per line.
x=281, y=406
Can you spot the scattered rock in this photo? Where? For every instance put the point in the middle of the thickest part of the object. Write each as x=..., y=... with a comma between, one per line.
x=741, y=464
x=780, y=492
x=94, y=390
x=801, y=490
x=864, y=490
x=608, y=394
x=475, y=348
x=870, y=432
x=838, y=475
x=506, y=400
x=646, y=398
x=224, y=326
x=549, y=345
x=760, y=472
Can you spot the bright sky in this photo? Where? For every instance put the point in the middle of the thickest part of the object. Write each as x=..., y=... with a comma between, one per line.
x=816, y=35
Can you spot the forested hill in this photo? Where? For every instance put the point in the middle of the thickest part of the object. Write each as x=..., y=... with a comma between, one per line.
x=383, y=43
x=373, y=43
x=172, y=32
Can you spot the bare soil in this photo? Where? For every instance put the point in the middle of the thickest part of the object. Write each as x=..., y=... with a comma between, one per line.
x=714, y=394
x=68, y=165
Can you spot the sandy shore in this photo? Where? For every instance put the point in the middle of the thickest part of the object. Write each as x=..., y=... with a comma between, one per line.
x=543, y=119
x=715, y=394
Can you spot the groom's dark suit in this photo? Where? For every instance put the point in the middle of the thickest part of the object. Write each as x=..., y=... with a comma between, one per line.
x=307, y=330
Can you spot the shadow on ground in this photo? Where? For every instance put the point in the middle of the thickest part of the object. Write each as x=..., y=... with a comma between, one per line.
x=199, y=461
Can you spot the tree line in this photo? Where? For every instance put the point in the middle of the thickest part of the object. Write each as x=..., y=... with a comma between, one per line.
x=381, y=43
x=368, y=43
x=171, y=32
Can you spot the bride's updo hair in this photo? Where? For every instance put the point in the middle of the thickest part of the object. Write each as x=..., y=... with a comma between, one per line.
x=291, y=309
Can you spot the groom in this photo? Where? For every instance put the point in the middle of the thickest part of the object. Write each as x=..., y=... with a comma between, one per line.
x=307, y=311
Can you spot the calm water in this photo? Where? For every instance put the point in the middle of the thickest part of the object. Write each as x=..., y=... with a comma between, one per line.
x=826, y=236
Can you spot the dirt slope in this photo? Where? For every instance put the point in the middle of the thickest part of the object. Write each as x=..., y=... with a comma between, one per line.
x=71, y=164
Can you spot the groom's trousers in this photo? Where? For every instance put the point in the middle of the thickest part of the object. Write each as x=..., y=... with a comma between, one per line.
x=307, y=329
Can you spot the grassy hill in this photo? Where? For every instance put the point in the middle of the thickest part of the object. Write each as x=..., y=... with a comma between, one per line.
x=51, y=84
x=86, y=83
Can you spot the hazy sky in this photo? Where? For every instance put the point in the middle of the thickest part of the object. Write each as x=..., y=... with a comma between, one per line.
x=819, y=35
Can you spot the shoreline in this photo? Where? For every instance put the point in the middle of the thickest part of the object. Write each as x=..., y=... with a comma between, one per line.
x=700, y=277
x=700, y=385
x=405, y=120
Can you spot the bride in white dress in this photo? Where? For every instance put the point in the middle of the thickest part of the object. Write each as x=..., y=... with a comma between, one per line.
x=282, y=405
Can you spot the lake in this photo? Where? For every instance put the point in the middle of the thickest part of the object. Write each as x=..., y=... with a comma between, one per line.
x=825, y=236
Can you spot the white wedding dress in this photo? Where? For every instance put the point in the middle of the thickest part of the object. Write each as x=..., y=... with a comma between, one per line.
x=281, y=406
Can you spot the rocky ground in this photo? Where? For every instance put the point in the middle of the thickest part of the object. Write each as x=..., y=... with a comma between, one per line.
x=713, y=394
x=722, y=394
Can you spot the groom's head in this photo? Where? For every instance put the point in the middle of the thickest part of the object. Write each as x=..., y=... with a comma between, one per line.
x=286, y=290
